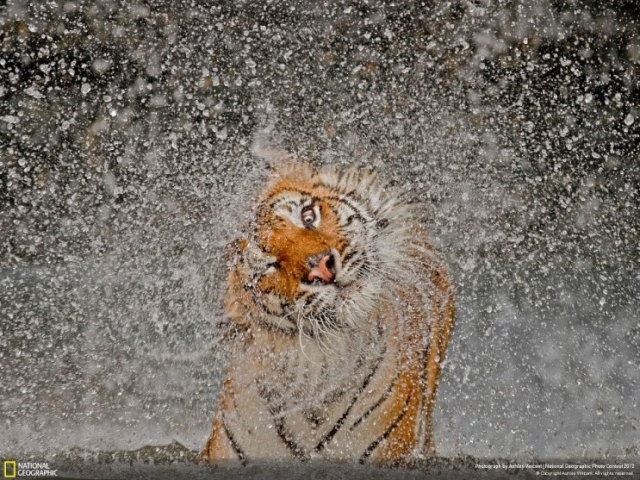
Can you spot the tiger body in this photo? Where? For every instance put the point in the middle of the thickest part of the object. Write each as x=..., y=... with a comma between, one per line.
x=343, y=313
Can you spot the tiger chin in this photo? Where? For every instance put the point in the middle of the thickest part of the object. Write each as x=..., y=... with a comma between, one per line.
x=342, y=311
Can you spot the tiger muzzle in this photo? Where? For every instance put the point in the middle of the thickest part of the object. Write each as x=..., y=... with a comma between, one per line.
x=323, y=268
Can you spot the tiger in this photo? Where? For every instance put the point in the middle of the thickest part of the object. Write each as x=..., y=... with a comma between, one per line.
x=341, y=312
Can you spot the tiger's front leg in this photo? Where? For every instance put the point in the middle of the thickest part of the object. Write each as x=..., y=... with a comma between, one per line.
x=220, y=449
x=244, y=429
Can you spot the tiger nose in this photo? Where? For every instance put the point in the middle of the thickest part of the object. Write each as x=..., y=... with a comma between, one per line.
x=323, y=269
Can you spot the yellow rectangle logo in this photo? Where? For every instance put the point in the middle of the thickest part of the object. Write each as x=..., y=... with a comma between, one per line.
x=9, y=469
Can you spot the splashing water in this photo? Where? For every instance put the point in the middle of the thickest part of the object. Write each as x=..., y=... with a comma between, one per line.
x=126, y=169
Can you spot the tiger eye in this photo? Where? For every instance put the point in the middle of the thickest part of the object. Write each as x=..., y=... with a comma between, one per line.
x=308, y=216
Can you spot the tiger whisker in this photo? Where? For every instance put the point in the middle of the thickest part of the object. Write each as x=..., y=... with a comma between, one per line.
x=319, y=328
x=301, y=332
x=285, y=317
x=324, y=329
x=371, y=266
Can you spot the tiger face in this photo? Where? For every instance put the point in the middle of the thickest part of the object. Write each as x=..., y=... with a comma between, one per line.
x=322, y=248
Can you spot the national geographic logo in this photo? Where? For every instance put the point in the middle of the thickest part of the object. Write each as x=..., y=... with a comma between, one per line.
x=13, y=469
x=9, y=469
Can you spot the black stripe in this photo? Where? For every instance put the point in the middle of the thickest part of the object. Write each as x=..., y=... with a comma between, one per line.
x=283, y=202
x=350, y=255
x=328, y=319
x=380, y=401
x=357, y=264
x=383, y=223
x=353, y=202
x=382, y=437
x=255, y=296
x=270, y=206
x=290, y=331
x=313, y=297
x=274, y=405
x=349, y=221
x=234, y=444
x=281, y=304
x=305, y=328
x=287, y=439
x=327, y=438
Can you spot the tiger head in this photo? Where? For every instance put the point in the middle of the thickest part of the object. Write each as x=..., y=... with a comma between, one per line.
x=324, y=248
